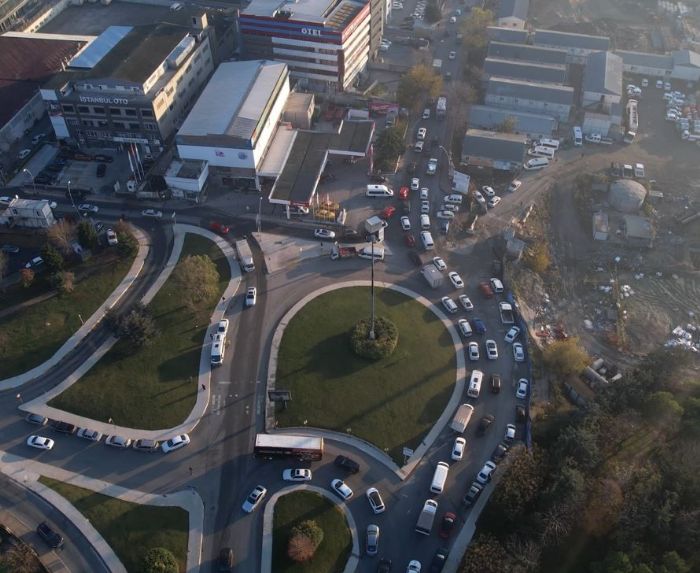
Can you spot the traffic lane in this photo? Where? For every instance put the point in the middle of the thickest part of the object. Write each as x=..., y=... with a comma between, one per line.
x=77, y=553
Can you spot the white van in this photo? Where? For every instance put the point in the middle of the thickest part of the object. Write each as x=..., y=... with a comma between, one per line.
x=379, y=191
x=545, y=142
x=366, y=253
x=536, y=163
x=541, y=151
x=439, y=477
x=475, y=383
x=218, y=348
x=426, y=113
x=578, y=136
x=427, y=240
x=424, y=221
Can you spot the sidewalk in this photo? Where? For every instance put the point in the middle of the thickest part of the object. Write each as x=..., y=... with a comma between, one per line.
x=268, y=523
x=70, y=344
x=26, y=473
x=366, y=447
x=40, y=404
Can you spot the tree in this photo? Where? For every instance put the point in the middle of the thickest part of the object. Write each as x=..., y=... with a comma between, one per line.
x=663, y=411
x=390, y=143
x=159, y=560
x=567, y=486
x=26, y=277
x=87, y=236
x=64, y=281
x=565, y=357
x=52, y=258
x=579, y=444
x=304, y=541
x=62, y=235
x=19, y=558
x=518, y=486
x=602, y=509
x=137, y=325
x=432, y=12
x=198, y=279
x=486, y=555
x=419, y=84
x=508, y=125
x=474, y=28
x=691, y=416
x=3, y=264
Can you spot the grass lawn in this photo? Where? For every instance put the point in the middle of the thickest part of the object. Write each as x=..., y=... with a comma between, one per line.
x=335, y=548
x=156, y=386
x=392, y=402
x=130, y=529
x=32, y=335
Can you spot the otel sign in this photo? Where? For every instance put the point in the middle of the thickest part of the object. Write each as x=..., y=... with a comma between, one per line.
x=311, y=32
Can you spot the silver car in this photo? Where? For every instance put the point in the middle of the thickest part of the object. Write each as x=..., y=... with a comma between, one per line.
x=372, y=539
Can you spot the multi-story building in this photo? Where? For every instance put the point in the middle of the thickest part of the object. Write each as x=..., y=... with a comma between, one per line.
x=325, y=43
x=28, y=213
x=131, y=85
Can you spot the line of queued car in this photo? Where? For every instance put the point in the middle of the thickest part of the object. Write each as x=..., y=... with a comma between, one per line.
x=115, y=441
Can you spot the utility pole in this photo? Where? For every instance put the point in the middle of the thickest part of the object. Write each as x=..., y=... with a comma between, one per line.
x=371, y=327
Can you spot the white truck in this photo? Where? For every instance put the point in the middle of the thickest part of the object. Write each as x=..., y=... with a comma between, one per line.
x=506, y=310
x=461, y=419
x=245, y=255
x=424, y=525
x=432, y=166
x=433, y=276
x=441, y=107
x=376, y=225
x=437, y=64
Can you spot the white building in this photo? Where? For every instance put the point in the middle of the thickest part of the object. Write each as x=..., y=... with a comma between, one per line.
x=28, y=213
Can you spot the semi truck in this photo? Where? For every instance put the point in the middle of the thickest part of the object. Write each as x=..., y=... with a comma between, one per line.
x=441, y=107
x=461, y=419
x=245, y=255
x=433, y=276
x=506, y=310
x=424, y=525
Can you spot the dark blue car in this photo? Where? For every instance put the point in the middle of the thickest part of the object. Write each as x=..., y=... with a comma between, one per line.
x=478, y=325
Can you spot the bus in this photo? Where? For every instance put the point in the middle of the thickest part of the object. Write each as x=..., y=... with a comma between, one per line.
x=578, y=136
x=288, y=446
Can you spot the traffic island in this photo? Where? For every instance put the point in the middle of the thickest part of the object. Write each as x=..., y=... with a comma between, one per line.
x=310, y=535
x=392, y=402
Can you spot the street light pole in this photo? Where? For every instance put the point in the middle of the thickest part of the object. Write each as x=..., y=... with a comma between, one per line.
x=25, y=170
x=260, y=214
x=70, y=195
x=371, y=326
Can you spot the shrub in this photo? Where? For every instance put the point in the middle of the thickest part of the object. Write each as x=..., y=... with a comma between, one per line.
x=304, y=541
x=159, y=560
x=384, y=343
x=63, y=281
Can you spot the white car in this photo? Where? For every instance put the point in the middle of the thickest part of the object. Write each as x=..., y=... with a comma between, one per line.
x=464, y=327
x=324, y=234
x=439, y=264
x=523, y=385
x=425, y=207
x=254, y=499
x=118, y=442
x=453, y=20
x=422, y=132
x=251, y=296
x=466, y=302
x=445, y=215
x=518, y=352
x=415, y=184
x=473, y=351
x=175, y=443
x=222, y=327
x=298, y=474
x=458, y=449
x=152, y=213
x=372, y=546
x=494, y=201
x=660, y=84
x=339, y=487
x=88, y=208
x=449, y=304
x=484, y=476
x=405, y=223
x=514, y=185
x=491, y=349
x=450, y=207
x=24, y=153
x=510, y=433
x=454, y=199
x=497, y=285
x=375, y=500
x=456, y=280
x=452, y=55
x=52, y=204
x=488, y=191
x=413, y=566
x=87, y=434
x=40, y=442
x=112, y=237
x=424, y=191
x=512, y=334
x=34, y=263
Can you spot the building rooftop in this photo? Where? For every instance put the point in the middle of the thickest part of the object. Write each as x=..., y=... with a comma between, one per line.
x=248, y=87
x=353, y=138
x=299, y=178
x=331, y=13
x=25, y=65
x=533, y=71
x=494, y=145
x=527, y=53
x=686, y=58
x=483, y=116
x=298, y=102
x=513, y=9
x=514, y=35
x=631, y=58
x=571, y=40
x=603, y=73
x=552, y=93
x=637, y=227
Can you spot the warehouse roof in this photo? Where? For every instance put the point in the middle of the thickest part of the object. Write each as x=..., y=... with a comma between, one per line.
x=659, y=61
x=494, y=145
x=299, y=178
x=527, y=53
x=513, y=9
x=331, y=13
x=499, y=34
x=487, y=117
x=551, y=93
x=603, y=73
x=686, y=58
x=533, y=71
x=571, y=40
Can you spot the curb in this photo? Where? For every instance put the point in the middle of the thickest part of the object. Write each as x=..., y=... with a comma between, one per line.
x=402, y=472
x=268, y=523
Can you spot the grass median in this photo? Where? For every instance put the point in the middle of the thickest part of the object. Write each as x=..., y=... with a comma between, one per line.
x=33, y=334
x=155, y=386
x=130, y=529
x=293, y=508
x=391, y=402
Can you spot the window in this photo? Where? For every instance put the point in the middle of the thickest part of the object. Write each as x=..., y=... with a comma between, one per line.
x=118, y=125
x=130, y=111
x=115, y=110
x=102, y=123
x=134, y=126
x=98, y=110
x=68, y=108
x=83, y=109
x=147, y=112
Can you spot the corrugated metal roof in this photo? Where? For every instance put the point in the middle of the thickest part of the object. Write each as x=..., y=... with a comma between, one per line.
x=527, y=53
x=488, y=117
x=603, y=73
x=100, y=47
x=493, y=145
x=686, y=58
x=552, y=93
x=514, y=35
x=570, y=40
x=660, y=61
x=513, y=9
x=532, y=71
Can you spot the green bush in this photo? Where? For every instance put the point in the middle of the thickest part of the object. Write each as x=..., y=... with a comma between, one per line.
x=385, y=340
x=304, y=541
x=159, y=560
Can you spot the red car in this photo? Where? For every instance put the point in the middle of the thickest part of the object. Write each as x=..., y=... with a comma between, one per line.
x=219, y=228
x=410, y=240
x=448, y=523
x=388, y=212
x=403, y=193
x=486, y=289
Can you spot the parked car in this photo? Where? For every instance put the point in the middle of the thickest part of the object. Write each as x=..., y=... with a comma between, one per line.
x=495, y=383
x=342, y=490
x=447, y=525
x=484, y=476
x=325, y=234
x=439, y=560
x=510, y=433
x=375, y=500
x=254, y=499
x=479, y=326
x=52, y=539
x=9, y=249
x=63, y=427
x=152, y=213
x=225, y=561
x=87, y=434
x=24, y=154
x=40, y=442
x=101, y=170
x=499, y=452
x=372, y=539
x=466, y=302
x=491, y=350
x=523, y=386
x=145, y=445
x=439, y=263
x=415, y=184
x=36, y=262
x=494, y=201
x=112, y=237
x=296, y=474
x=484, y=424
x=118, y=442
x=512, y=334
x=414, y=566
x=403, y=193
x=347, y=464
x=472, y=494
x=175, y=443
x=455, y=279
x=37, y=419
x=88, y=208
x=518, y=352
x=520, y=414
x=219, y=228
x=464, y=327
x=410, y=241
x=514, y=185
x=405, y=223
x=449, y=304
x=473, y=351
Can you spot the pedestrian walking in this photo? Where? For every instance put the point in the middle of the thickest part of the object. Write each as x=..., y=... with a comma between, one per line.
x=190, y=470
x=204, y=387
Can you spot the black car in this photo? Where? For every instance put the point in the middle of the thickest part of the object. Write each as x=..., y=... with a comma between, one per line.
x=103, y=158
x=439, y=560
x=495, y=383
x=226, y=559
x=499, y=453
x=53, y=539
x=472, y=494
x=101, y=170
x=347, y=464
x=384, y=566
x=63, y=427
x=484, y=424
x=520, y=414
x=378, y=179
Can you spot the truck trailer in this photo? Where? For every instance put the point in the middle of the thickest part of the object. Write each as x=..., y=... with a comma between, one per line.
x=461, y=419
x=245, y=255
x=432, y=275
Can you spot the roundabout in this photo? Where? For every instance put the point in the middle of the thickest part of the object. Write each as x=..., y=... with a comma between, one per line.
x=391, y=402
